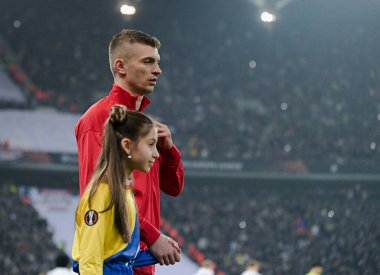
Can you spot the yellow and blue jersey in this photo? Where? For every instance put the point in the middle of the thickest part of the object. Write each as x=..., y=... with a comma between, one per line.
x=98, y=247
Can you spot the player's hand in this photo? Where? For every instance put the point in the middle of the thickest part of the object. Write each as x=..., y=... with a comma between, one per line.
x=165, y=141
x=166, y=250
x=174, y=244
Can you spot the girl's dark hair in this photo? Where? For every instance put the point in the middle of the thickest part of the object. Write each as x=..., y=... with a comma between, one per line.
x=122, y=123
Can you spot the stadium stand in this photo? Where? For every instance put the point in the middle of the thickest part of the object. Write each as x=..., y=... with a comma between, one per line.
x=298, y=101
x=286, y=226
x=9, y=91
x=26, y=245
x=39, y=130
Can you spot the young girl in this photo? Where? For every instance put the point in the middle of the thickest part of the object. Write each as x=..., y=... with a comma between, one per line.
x=107, y=234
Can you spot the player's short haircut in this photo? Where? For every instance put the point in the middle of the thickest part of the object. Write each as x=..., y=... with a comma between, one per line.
x=117, y=46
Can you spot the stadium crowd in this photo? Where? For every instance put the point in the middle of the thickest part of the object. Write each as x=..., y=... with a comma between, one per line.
x=26, y=244
x=287, y=228
x=296, y=91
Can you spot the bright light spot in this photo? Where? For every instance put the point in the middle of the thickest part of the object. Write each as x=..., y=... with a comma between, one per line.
x=287, y=148
x=17, y=24
x=252, y=64
x=284, y=106
x=378, y=116
x=242, y=224
x=268, y=17
x=128, y=10
x=331, y=213
x=373, y=145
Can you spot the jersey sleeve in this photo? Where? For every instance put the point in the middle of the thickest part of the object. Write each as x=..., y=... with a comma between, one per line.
x=171, y=172
x=148, y=232
x=93, y=225
x=89, y=147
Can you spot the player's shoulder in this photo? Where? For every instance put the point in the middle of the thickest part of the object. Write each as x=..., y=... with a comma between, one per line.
x=98, y=108
x=94, y=118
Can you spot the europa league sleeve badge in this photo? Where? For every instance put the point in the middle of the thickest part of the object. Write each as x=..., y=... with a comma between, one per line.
x=91, y=217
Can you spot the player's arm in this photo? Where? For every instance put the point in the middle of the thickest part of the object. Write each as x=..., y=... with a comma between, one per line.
x=148, y=232
x=165, y=250
x=171, y=167
x=171, y=172
x=89, y=146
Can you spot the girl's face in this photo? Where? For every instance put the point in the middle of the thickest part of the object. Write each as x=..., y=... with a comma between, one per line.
x=144, y=152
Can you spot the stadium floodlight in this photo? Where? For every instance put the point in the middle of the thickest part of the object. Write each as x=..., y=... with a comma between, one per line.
x=268, y=17
x=127, y=9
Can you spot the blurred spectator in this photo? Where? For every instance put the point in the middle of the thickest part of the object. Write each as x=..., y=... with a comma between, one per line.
x=252, y=268
x=206, y=269
x=315, y=269
x=62, y=266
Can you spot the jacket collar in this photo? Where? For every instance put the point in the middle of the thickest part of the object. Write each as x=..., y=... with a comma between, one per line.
x=125, y=98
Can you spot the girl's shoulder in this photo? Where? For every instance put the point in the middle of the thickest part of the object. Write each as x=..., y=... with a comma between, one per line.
x=101, y=197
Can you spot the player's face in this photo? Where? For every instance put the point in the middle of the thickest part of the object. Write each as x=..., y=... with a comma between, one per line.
x=142, y=69
x=144, y=152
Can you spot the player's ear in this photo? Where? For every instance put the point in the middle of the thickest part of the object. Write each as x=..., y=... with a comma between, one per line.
x=119, y=65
